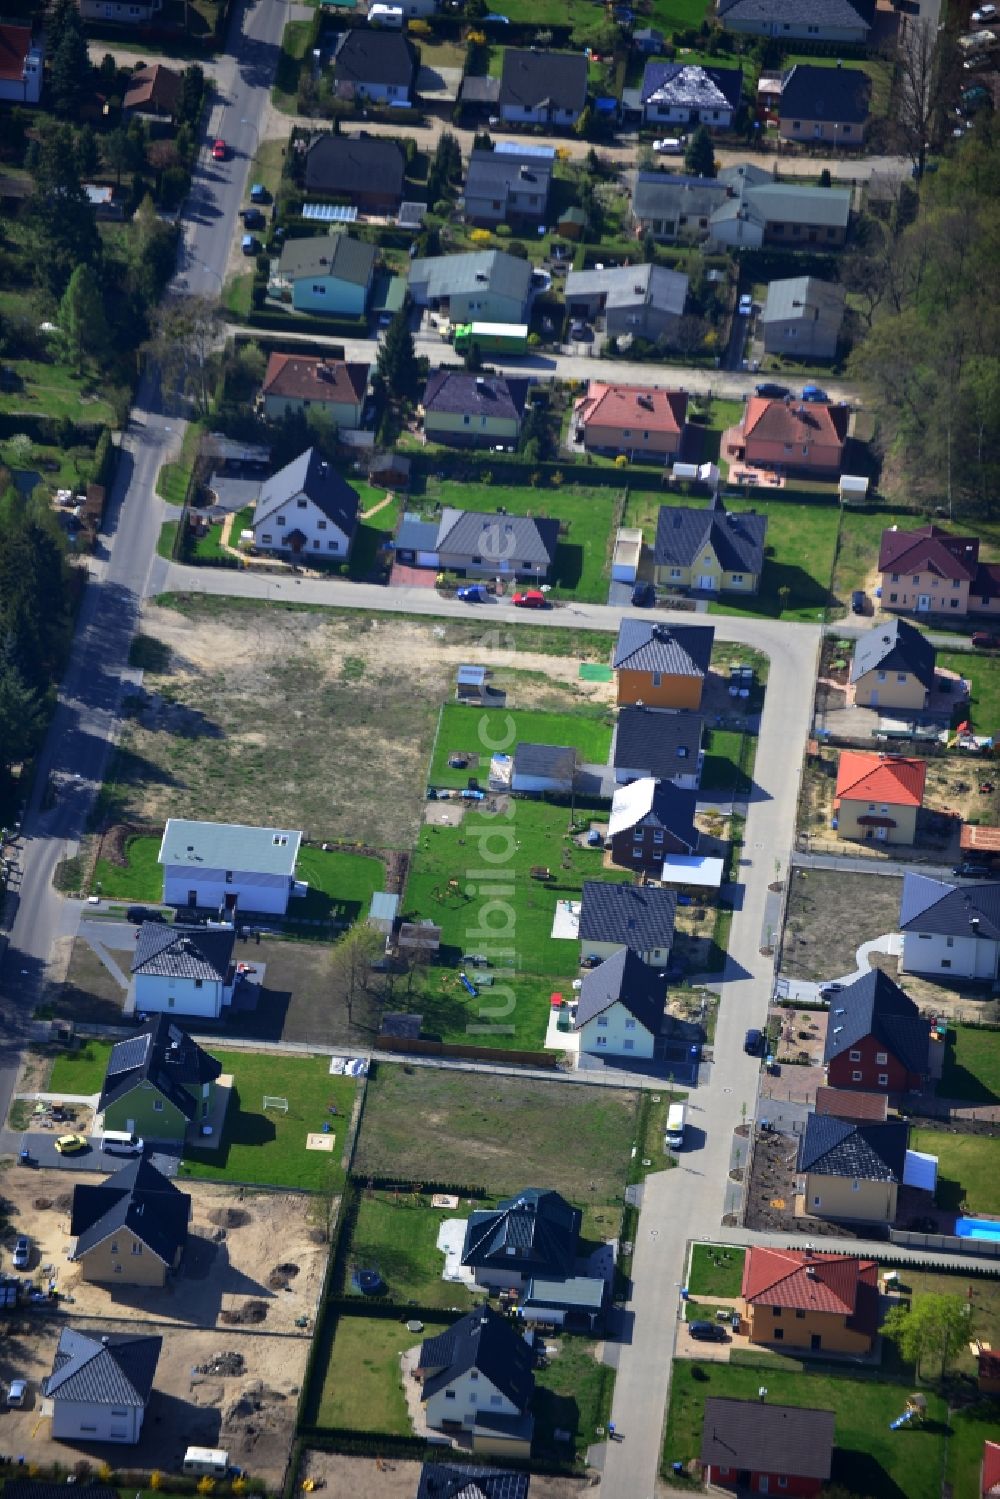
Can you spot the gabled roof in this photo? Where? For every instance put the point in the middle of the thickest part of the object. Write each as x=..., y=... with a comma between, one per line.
x=659, y=195
x=895, y=646
x=155, y=85
x=947, y=910
x=438, y=276
x=534, y=1233
x=340, y=255
x=673, y=650
x=835, y=94
x=456, y=1481
x=624, y=287
x=485, y=1341
x=463, y=394
x=319, y=481
x=656, y=804
x=165, y=1056
x=795, y=422
x=96, y=1369
x=866, y=776
x=640, y=917
x=928, y=549
x=624, y=979
x=496, y=174
x=787, y=1439
x=690, y=86
x=801, y=299
x=345, y=164
x=990, y=1474
x=301, y=377
x=515, y=538
x=755, y=194
x=558, y=761
x=184, y=952
x=827, y=15
x=838, y=1284
x=229, y=845
x=138, y=1198
x=630, y=407
x=736, y=537
x=876, y=1006
x=370, y=55
x=848, y=1103
x=537, y=80
x=862, y=1152
x=15, y=44
x=661, y=742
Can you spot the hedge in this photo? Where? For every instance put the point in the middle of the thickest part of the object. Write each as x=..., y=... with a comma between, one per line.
x=283, y=322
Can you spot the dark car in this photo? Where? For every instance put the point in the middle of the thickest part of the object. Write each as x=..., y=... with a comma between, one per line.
x=753, y=1042
x=970, y=870
x=773, y=391
x=252, y=218
x=985, y=642
x=644, y=595
x=708, y=1332
x=137, y=914
x=859, y=601
x=826, y=990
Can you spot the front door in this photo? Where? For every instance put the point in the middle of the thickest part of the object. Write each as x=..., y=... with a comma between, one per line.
x=816, y=1342
x=706, y=581
x=881, y=835
x=192, y=897
x=762, y=1484
x=873, y=699
x=923, y=601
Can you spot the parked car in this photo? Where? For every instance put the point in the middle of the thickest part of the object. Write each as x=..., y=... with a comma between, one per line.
x=746, y=305
x=814, y=393
x=985, y=13
x=475, y=593
x=753, y=1042
x=644, y=595
x=708, y=1332
x=220, y=150
x=826, y=991
x=259, y=193
x=970, y=870
x=670, y=145
x=139, y=914
x=17, y=1392
x=983, y=641
x=252, y=218
x=22, y=1253
x=71, y=1144
x=580, y=332
x=531, y=598
x=773, y=391
x=250, y=244
x=859, y=601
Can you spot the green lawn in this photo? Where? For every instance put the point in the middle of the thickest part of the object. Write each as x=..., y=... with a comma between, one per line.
x=858, y=548
x=982, y=1292
x=141, y=879
x=269, y=1149
x=800, y=547
x=667, y=15
x=968, y=1175
x=722, y=770
x=971, y=1065
x=294, y=41
x=472, y=731
x=363, y=1388
x=341, y=885
x=80, y=1071
x=397, y=1234
x=983, y=671
x=970, y=1428
x=167, y=539
x=715, y=1270
x=54, y=390
x=869, y=1459
x=374, y=533
x=173, y=478
x=573, y=1394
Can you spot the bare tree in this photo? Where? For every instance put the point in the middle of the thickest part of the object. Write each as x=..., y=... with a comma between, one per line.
x=917, y=95
x=186, y=341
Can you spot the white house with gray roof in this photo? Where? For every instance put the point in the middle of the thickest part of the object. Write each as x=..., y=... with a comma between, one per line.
x=619, y=1010
x=508, y=187
x=479, y=544
x=800, y=20
x=646, y=301
x=485, y=286
x=183, y=970
x=224, y=866
x=743, y=206
x=639, y=917
x=688, y=94
x=100, y=1386
x=307, y=509
x=803, y=317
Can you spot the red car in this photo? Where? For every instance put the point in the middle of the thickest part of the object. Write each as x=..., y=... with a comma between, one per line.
x=220, y=150
x=984, y=642
x=532, y=598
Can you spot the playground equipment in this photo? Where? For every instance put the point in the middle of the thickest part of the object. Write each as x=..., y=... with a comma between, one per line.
x=468, y=984
x=916, y=1410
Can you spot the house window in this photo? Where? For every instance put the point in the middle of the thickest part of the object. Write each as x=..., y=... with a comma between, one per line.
x=782, y=1480
x=945, y=962
x=882, y=1058
x=229, y=876
x=93, y=1428
x=893, y=597
x=657, y=679
x=333, y=546
x=881, y=676
x=657, y=837
x=737, y=577
x=171, y=1001
x=779, y=1333
x=279, y=520
x=777, y=1311
x=466, y=420
x=114, y=1249
x=915, y=578
x=855, y=1186
x=801, y=1315
x=302, y=503
x=157, y=1105
x=321, y=525
x=628, y=1046
x=602, y=1040
x=894, y=577
x=602, y=1021
x=496, y=1400
x=630, y=1023
x=855, y=1077
x=318, y=291
x=955, y=603
x=118, y=1271
x=136, y=1248
x=682, y=752
x=883, y=1079
x=855, y=1056
x=316, y=543
x=675, y=572
x=901, y=676
x=948, y=942
x=199, y=983
x=449, y=1394
x=474, y=1374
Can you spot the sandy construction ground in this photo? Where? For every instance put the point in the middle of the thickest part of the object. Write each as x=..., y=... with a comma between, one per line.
x=364, y=1478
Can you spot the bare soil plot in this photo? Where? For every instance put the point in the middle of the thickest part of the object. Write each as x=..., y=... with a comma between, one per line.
x=956, y=1001
x=828, y=917
x=366, y=1478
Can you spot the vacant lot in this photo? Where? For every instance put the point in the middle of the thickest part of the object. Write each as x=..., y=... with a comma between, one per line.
x=830, y=915
x=715, y=1270
x=372, y=1478
x=971, y=1065
x=983, y=671
x=982, y=1292
x=968, y=1180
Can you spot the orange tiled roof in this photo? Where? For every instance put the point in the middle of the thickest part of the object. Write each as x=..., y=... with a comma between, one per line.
x=807, y=1282
x=632, y=406
x=867, y=777
x=15, y=44
x=300, y=378
x=797, y=422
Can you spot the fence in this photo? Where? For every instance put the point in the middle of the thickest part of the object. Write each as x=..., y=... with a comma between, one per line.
x=416, y=1046
x=947, y=1243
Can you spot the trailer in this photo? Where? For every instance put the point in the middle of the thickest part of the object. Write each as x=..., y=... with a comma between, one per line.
x=492, y=338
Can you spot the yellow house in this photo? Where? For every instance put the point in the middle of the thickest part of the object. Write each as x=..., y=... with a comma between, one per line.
x=710, y=551
x=851, y=1172
x=820, y=1302
x=893, y=667
x=878, y=796
x=662, y=666
x=469, y=410
x=130, y=1228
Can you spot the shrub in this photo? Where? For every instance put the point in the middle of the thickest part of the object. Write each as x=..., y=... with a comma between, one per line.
x=481, y=237
x=502, y=231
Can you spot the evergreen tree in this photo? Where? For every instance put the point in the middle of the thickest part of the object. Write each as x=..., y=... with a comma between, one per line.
x=81, y=317
x=60, y=214
x=699, y=158
x=397, y=364
x=88, y=158
x=62, y=15
x=192, y=93
x=70, y=76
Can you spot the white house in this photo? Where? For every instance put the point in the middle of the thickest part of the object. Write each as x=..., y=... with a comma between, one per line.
x=542, y=88
x=477, y=1377
x=100, y=1386
x=620, y=1008
x=308, y=509
x=948, y=929
x=543, y=767
x=224, y=866
x=183, y=970
x=639, y=917
x=22, y=65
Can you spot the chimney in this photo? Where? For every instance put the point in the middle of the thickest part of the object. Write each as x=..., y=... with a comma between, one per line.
x=811, y=1272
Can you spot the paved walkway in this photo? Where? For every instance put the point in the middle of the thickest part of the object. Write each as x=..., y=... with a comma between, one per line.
x=808, y=989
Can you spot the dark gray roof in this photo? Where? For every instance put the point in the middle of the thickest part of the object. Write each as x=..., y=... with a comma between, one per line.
x=664, y=195
x=863, y=1152
x=368, y=55
x=311, y=475
x=534, y=1233
x=557, y=760
x=947, y=910
x=343, y=164
x=674, y=650
x=165, y=1056
x=661, y=742
x=464, y=394
x=895, y=646
x=626, y=978
x=514, y=538
x=637, y=916
x=184, y=952
x=833, y=94
x=791, y=1440
x=340, y=255
x=97, y=1369
x=453, y=1481
x=485, y=1341
x=736, y=537
x=533, y=80
x=416, y=535
x=876, y=1006
x=691, y=86
x=495, y=173
x=138, y=1198
x=825, y=14
x=655, y=804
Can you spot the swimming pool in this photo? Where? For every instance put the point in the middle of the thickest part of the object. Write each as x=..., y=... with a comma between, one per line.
x=978, y=1228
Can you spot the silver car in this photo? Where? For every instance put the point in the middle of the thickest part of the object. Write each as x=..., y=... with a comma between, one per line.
x=22, y=1253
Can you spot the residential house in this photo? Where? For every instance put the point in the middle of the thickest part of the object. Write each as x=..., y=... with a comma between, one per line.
x=800, y=1299
x=893, y=667
x=534, y=1233
x=131, y=1228
x=847, y=21
x=791, y=435
x=365, y=171
x=846, y=1103
x=183, y=970
x=22, y=65
x=989, y=1472
x=676, y=93
x=650, y=820
x=307, y=509
x=226, y=866
x=877, y=797
x=636, y=301
x=158, y=1084
x=619, y=1009
x=473, y=411
x=852, y=1171
x=672, y=207
x=542, y=88
x=100, y=1385
x=661, y=666
x=950, y=930
x=373, y=66
x=509, y=187
x=710, y=550
x=485, y=286
x=648, y=41
x=928, y=571
x=120, y=12
x=877, y=1040
x=458, y=1481
x=154, y=90
x=331, y=274
x=631, y=419
x=479, y=544
x=758, y=211
x=766, y=1449
x=658, y=742
x=544, y=768
x=639, y=917
x=478, y=1380
x=802, y=317
x=302, y=382
x=980, y=843
x=988, y=1378
x=829, y=105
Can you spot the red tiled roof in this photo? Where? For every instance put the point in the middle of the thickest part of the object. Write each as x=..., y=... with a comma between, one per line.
x=834, y=1283
x=15, y=44
x=929, y=549
x=865, y=776
x=632, y=406
x=795, y=422
x=300, y=378
x=975, y=839
x=154, y=85
x=844, y=1103
x=991, y=1468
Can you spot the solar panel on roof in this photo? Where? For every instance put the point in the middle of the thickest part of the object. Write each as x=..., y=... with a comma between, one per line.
x=126, y=1056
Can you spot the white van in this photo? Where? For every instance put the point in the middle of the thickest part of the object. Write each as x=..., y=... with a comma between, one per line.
x=676, y=1121
x=122, y=1142
x=386, y=15
x=202, y=1460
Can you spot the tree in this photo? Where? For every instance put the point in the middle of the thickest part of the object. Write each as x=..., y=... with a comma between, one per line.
x=82, y=322
x=70, y=75
x=351, y=962
x=88, y=158
x=916, y=96
x=60, y=215
x=446, y=164
x=699, y=157
x=932, y=1326
x=397, y=364
x=123, y=151
x=192, y=94
x=186, y=337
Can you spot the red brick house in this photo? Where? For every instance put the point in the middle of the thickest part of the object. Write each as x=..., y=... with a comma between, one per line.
x=877, y=1041
x=766, y=1449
